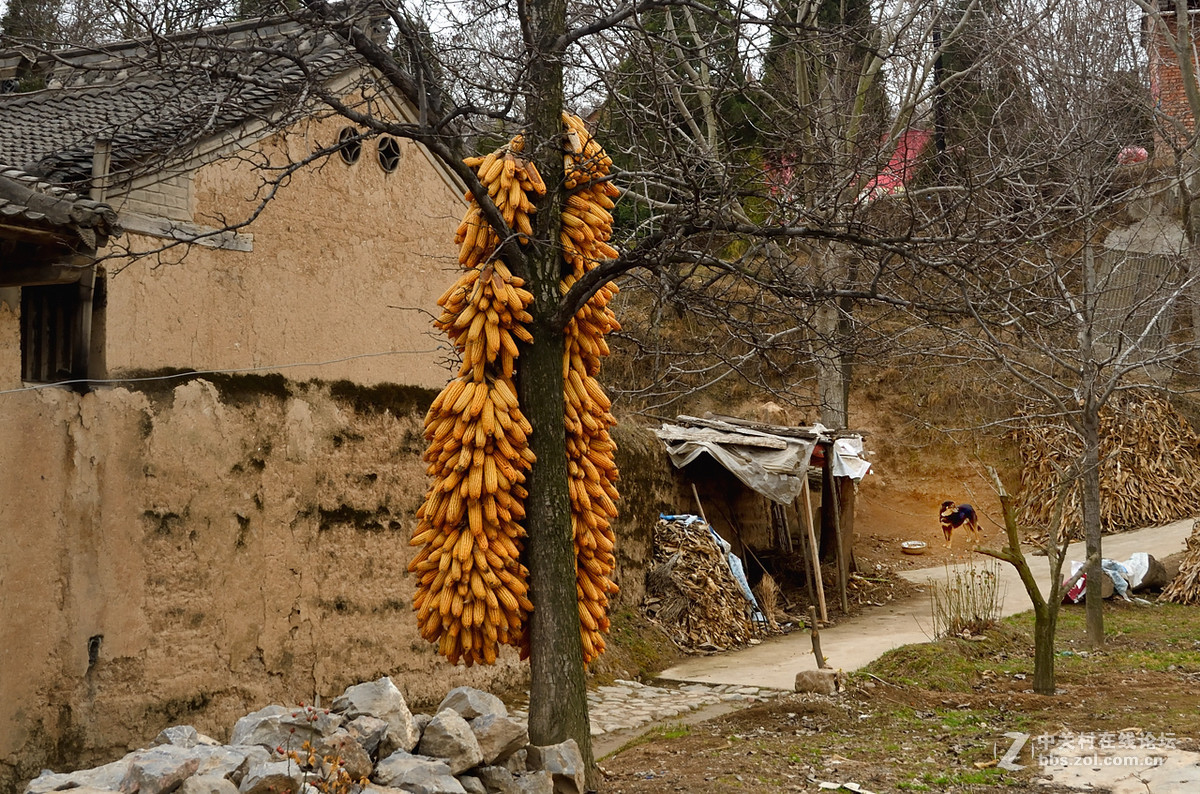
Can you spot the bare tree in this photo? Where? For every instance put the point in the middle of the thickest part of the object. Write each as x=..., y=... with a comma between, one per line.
x=771, y=178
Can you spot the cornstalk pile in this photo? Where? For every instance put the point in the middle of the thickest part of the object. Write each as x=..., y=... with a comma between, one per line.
x=1149, y=466
x=1185, y=587
x=471, y=594
x=691, y=593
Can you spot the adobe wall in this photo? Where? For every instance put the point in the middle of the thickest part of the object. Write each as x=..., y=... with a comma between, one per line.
x=347, y=263
x=189, y=554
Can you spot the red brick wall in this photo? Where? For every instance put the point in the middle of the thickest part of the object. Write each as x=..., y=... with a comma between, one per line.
x=1166, y=80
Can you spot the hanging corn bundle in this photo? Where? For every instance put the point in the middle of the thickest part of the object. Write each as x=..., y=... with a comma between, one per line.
x=471, y=594
x=586, y=228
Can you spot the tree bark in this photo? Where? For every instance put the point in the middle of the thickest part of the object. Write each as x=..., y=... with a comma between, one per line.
x=1090, y=498
x=558, y=707
x=1045, y=625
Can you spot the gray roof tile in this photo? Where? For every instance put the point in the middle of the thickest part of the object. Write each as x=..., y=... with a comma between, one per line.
x=156, y=103
x=39, y=204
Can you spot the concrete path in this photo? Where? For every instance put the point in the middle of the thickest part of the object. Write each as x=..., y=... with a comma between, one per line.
x=856, y=642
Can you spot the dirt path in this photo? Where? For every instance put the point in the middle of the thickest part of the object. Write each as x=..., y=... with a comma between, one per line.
x=857, y=641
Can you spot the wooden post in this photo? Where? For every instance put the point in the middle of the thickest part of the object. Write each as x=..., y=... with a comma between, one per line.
x=816, y=637
x=815, y=556
x=846, y=521
x=843, y=564
x=806, y=552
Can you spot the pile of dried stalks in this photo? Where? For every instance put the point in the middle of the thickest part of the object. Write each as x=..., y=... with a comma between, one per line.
x=690, y=592
x=1149, y=466
x=1185, y=587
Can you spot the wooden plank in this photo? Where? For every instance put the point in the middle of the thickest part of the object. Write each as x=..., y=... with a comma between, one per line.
x=712, y=436
x=207, y=236
x=762, y=427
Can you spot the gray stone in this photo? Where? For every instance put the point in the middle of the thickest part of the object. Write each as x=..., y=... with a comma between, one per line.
x=517, y=762
x=535, y=783
x=471, y=784
x=499, y=737
x=159, y=769
x=207, y=784
x=497, y=780
x=449, y=736
x=1156, y=577
x=471, y=703
x=272, y=777
x=416, y=773
x=107, y=777
x=368, y=732
x=563, y=762
x=276, y=727
x=341, y=749
x=183, y=736
x=381, y=699
x=231, y=762
x=823, y=681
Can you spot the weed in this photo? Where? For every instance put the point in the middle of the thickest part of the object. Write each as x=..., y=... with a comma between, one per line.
x=968, y=602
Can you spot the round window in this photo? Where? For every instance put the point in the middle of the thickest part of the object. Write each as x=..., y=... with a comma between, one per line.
x=349, y=145
x=389, y=153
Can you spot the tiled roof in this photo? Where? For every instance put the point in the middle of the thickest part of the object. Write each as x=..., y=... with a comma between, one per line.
x=155, y=103
x=29, y=201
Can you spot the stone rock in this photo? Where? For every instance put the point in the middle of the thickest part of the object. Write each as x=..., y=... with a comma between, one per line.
x=231, y=762
x=183, y=736
x=422, y=721
x=472, y=784
x=1157, y=577
x=416, y=773
x=207, y=784
x=106, y=778
x=518, y=762
x=499, y=737
x=341, y=746
x=449, y=736
x=159, y=769
x=280, y=726
x=272, y=777
x=564, y=762
x=471, y=703
x=535, y=783
x=368, y=732
x=497, y=780
x=823, y=681
x=382, y=700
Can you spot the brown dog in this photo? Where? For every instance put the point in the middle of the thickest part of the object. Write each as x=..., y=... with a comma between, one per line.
x=952, y=517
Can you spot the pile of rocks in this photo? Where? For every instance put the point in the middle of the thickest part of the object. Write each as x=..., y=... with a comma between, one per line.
x=470, y=746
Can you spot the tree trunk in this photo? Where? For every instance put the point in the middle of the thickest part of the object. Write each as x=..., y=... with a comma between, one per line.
x=558, y=691
x=558, y=707
x=1045, y=624
x=831, y=370
x=1090, y=498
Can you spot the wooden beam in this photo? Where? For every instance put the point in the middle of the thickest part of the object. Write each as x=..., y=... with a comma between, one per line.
x=207, y=236
x=36, y=274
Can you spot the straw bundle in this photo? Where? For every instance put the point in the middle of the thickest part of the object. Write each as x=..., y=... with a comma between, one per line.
x=1149, y=466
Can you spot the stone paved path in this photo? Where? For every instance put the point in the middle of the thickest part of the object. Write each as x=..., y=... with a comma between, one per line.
x=630, y=705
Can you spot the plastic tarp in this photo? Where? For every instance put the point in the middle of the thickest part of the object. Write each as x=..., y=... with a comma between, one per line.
x=776, y=472
x=772, y=465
